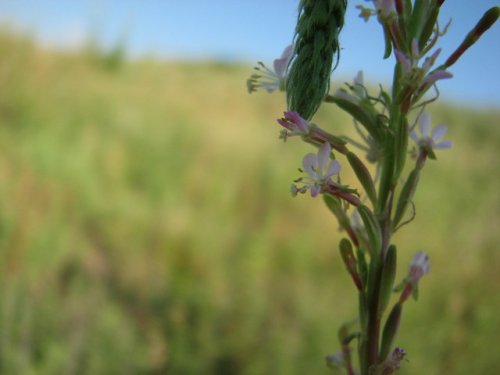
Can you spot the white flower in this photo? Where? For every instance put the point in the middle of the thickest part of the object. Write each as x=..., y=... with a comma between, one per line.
x=271, y=80
x=320, y=169
x=428, y=140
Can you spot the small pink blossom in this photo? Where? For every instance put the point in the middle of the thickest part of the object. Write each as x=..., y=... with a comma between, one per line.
x=320, y=169
x=271, y=80
x=393, y=361
x=294, y=124
x=419, y=266
x=430, y=140
x=420, y=75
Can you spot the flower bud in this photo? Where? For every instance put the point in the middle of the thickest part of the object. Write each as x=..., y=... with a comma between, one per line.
x=488, y=19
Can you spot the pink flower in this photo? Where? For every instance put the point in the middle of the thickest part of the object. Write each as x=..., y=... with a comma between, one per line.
x=271, y=80
x=294, y=124
x=393, y=361
x=428, y=140
x=420, y=75
x=320, y=169
x=419, y=266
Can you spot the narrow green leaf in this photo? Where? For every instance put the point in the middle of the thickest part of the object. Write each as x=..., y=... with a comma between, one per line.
x=391, y=328
x=388, y=276
x=372, y=228
x=364, y=176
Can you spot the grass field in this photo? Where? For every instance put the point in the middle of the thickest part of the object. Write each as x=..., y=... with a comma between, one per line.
x=146, y=228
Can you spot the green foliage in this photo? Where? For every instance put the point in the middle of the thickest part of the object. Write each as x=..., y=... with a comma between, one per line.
x=145, y=228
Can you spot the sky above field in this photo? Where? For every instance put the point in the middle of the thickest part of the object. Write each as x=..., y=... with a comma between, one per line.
x=251, y=30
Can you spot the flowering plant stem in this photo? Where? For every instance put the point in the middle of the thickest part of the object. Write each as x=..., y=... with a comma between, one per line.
x=385, y=123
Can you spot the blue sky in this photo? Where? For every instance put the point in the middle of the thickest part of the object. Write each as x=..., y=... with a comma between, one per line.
x=251, y=30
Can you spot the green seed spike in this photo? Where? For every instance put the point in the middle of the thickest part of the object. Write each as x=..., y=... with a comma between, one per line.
x=316, y=44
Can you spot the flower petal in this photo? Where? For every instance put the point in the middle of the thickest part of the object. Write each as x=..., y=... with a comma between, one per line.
x=323, y=157
x=403, y=60
x=358, y=80
x=280, y=65
x=333, y=169
x=310, y=165
x=413, y=135
x=424, y=124
x=439, y=132
x=287, y=52
x=436, y=76
x=315, y=190
x=443, y=145
x=295, y=118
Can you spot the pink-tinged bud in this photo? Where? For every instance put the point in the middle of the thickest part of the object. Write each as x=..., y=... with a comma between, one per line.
x=294, y=125
x=436, y=76
x=418, y=267
x=403, y=60
x=393, y=362
x=488, y=20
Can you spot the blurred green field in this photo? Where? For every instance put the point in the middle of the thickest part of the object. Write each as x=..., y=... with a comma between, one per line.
x=146, y=228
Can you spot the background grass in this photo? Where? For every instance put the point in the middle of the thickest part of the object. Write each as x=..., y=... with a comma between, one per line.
x=146, y=228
